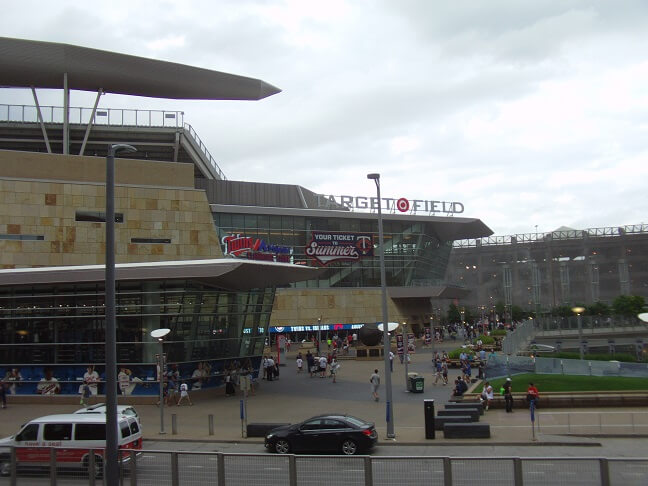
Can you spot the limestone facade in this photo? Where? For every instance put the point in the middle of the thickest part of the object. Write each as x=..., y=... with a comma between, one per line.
x=44, y=196
x=297, y=307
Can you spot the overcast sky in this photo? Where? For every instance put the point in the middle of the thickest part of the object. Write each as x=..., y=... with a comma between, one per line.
x=529, y=113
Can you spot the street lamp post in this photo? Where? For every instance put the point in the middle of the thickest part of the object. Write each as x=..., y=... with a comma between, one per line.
x=578, y=311
x=386, y=341
x=319, y=332
x=432, y=332
x=112, y=443
x=406, y=343
x=159, y=335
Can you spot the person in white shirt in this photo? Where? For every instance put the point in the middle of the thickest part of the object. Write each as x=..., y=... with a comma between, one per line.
x=300, y=364
x=184, y=393
x=91, y=377
x=323, y=363
x=48, y=385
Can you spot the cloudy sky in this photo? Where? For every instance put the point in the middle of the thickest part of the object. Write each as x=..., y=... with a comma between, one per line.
x=529, y=113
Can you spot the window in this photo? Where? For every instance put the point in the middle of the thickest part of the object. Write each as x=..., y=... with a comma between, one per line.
x=23, y=237
x=57, y=432
x=90, y=432
x=151, y=240
x=334, y=424
x=125, y=429
x=28, y=433
x=97, y=217
x=312, y=425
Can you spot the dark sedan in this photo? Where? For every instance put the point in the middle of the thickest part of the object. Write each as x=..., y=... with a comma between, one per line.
x=324, y=433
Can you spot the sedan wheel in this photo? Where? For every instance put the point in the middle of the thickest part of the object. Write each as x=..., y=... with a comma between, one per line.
x=282, y=446
x=349, y=447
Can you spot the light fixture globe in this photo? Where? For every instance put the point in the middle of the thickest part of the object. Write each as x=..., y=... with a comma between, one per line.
x=160, y=333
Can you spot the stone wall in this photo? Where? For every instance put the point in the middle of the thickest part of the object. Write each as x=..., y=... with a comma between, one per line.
x=38, y=217
x=298, y=307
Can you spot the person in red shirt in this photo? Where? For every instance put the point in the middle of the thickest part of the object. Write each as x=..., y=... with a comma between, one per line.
x=532, y=394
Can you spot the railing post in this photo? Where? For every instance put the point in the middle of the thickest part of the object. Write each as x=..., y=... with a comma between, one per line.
x=517, y=471
x=447, y=471
x=368, y=471
x=210, y=423
x=133, y=467
x=91, y=467
x=292, y=470
x=52, y=466
x=174, y=424
x=13, y=466
x=220, y=462
x=605, y=471
x=175, y=477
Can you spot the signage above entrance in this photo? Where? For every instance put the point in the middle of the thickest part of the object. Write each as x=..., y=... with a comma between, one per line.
x=328, y=247
x=401, y=204
x=255, y=249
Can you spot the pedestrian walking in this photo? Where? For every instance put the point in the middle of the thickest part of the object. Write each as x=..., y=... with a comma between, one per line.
x=300, y=364
x=85, y=392
x=375, y=383
x=184, y=393
x=335, y=366
x=323, y=363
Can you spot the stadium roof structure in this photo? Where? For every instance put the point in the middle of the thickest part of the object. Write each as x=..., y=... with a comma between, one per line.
x=28, y=63
x=225, y=273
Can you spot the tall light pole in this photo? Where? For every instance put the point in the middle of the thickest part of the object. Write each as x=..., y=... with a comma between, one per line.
x=406, y=356
x=578, y=311
x=112, y=443
x=386, y=340
x=433, y=332
x=159, y=335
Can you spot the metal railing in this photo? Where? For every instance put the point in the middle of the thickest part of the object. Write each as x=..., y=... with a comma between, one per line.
x=161, y=468
x=499, y=366
x=609, y=231
x=516, y=341
x=591, y=423
x=115, y=117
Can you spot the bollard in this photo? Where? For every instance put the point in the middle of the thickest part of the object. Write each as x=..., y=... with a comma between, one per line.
x=174, y=424
x=210, y=420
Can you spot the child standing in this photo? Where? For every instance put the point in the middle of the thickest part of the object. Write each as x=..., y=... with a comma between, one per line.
x=184, y=393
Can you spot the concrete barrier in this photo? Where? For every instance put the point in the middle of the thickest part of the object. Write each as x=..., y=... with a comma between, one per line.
x=571, y=400
x=439, y=422
x=460, y=406
x=466, y=431
x=473, y=413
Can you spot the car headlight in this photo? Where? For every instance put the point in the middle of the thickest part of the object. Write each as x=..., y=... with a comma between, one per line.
x=269, y=436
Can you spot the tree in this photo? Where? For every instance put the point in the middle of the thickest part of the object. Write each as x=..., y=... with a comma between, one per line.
x=454, y=316
x=598, y=309
x=562, y=311
x=500, y=308
x=628, y=305
x=518, y=313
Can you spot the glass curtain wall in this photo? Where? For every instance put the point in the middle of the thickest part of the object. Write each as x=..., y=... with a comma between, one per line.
x=413, y=255
x=63, y=326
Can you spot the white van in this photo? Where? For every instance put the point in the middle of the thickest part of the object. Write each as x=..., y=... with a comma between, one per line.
x=74, y=435
x=126, y=410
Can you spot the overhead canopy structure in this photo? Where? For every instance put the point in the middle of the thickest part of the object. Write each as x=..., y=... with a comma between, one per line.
x=28, y=63
x=225, y=273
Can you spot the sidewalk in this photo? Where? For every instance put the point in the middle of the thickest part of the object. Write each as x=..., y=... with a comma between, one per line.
x=297, y=396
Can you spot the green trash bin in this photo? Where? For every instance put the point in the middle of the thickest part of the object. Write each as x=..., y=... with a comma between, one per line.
x=414, y=383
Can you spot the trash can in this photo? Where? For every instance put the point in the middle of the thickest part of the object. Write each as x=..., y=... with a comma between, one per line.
x=415, y=383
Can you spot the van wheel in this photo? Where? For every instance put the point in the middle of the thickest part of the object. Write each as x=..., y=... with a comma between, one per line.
x=98, y=466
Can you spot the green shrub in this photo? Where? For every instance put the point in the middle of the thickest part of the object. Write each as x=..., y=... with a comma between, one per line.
x=485, y=339
x=498, y=332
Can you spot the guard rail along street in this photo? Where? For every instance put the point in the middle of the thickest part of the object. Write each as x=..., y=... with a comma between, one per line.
x=162, y=468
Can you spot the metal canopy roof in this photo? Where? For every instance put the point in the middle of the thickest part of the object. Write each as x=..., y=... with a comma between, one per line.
x=225, y=273
x=27, y=63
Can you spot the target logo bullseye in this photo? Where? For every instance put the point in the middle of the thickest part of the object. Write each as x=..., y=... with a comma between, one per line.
x=402, y=205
